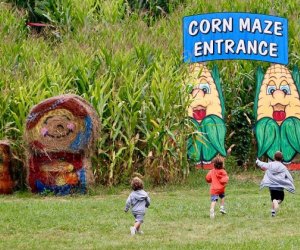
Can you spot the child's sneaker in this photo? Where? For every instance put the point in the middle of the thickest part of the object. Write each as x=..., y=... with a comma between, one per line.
x=275, y=205
x=139, y=232
x=222, y=210
x=212, y=213
x=132, y=230
x=273, y=213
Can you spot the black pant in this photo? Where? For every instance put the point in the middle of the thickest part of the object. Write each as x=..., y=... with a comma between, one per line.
x=277, y=194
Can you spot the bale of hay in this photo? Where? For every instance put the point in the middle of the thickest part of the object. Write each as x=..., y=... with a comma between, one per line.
x=61, y=134
x=6, y=182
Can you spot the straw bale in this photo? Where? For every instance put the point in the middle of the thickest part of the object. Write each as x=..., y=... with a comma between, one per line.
x=6, y=182
x=61, y=134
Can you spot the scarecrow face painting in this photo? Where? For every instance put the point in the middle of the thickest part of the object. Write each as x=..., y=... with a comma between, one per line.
x=206, y=111
x=277, y=109
x=6, y=183
x=57, y=128
x=60, y=132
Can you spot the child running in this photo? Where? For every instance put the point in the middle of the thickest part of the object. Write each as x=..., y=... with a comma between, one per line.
x=218, y=178
x=138, y=200
x=277, y=178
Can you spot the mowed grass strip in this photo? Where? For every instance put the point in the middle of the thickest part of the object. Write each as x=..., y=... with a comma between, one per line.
x=178, y=218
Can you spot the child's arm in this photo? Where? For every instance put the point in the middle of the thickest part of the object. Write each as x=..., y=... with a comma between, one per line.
x=208, y=177
x=224, y=177
x=147, y=201
x=128, y=202
x=262, y=165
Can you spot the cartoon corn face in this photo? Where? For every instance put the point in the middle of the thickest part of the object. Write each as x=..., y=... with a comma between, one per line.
x=60, y=133
x=277, y=110
x=6, y=183
x=206, y=111
x=205, y=96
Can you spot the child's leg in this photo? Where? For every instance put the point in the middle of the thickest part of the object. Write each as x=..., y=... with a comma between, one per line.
x=138, y=222
x=274, y=202
x=212, y=205
x=137, y=225
x=214, y=200
x=222, y=208
x=212, y=209
x=223, y=202
x=281, y=197
x=277, y=196
x=133, y=230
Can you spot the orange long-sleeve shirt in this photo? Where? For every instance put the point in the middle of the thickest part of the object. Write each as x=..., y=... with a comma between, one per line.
x=218, y=179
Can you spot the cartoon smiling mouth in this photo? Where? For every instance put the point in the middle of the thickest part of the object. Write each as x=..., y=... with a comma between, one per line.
x=279, y=112
x=60, y=135
x=59, y=132
x=199, y=112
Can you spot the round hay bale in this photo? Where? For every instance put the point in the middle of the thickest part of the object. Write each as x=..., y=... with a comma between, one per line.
x=6, y=183
x=61, y=133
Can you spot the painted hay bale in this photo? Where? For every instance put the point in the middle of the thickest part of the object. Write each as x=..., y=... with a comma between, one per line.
x=60, y=134
x=6, y=182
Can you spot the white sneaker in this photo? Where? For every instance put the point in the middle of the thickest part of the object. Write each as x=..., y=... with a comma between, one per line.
x=139, y=232
x=212, y=213
x=273, y=213
x=132, y=230
x=222, y=210
x=275, y=204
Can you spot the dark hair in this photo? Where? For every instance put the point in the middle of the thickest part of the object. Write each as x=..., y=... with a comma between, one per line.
x=278, y=156
x=137, y=184
x=218, y=162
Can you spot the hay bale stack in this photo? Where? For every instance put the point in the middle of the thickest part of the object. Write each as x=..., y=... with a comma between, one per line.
x=6, y=183
x=61, y=133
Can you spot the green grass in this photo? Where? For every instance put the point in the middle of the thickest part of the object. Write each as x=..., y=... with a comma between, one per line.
x=178, y=218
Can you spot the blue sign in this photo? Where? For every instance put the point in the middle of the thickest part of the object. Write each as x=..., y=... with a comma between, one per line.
x=227, y=36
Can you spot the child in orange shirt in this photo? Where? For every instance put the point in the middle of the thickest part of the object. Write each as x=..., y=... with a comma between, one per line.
x=218, y=178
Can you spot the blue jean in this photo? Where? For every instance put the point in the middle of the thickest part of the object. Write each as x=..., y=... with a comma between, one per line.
x=215, y=197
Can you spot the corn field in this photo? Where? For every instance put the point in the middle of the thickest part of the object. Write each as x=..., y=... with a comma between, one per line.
x=126, y=60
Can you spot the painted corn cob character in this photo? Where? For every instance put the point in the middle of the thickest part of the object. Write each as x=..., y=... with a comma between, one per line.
x=206, y=111
x=277, y=112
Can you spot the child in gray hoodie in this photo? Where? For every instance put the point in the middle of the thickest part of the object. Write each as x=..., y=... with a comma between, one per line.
x=277, y=178
x=138, y=200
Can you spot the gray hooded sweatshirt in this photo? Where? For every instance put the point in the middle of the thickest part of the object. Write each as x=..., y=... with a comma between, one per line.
x=138, y=201
x=276, y=176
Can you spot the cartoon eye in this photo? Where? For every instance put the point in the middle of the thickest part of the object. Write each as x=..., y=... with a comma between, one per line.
x=286, y=89
x=205, y=88
x=195, y=91
x=271, y=89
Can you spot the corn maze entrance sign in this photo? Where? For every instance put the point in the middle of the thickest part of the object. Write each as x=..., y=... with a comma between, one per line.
x=225, y=36
x=246, y=36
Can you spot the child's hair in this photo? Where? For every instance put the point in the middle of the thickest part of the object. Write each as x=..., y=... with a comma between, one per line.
x=278, y=156
x=218, y=162
x=137, y=184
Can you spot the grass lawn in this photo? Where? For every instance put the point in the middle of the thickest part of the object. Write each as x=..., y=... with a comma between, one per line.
x=178, y=218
